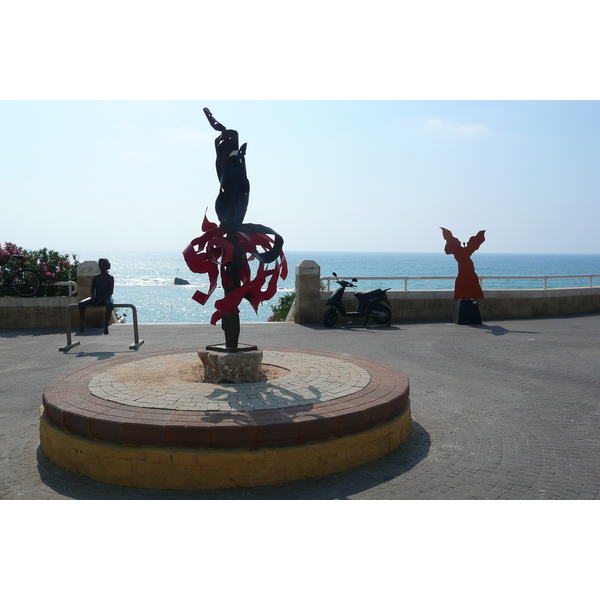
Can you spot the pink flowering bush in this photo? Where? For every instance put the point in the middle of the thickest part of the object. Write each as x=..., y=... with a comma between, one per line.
x=51, y=266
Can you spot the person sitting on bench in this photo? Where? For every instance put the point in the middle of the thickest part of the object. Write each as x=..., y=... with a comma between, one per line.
x=101, y=293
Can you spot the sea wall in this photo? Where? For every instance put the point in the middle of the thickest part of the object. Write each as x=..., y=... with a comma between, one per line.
x=33, y=313
x=437, y=305
x=39, y=313
x=497, y=304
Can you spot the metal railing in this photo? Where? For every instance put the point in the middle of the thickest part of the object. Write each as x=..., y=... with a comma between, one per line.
x=136, y=336
x=72, y=285
x=406, y=279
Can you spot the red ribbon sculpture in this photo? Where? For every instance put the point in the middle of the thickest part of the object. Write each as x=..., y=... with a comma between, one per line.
x=205, y=254
x=228, y=247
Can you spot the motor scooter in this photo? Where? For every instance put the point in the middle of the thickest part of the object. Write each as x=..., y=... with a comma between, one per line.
x=372, y=304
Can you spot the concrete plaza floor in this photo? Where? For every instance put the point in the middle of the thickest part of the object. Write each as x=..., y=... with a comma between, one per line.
x=503, y=410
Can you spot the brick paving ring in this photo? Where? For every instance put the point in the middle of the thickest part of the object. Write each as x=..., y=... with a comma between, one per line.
x=150, y=422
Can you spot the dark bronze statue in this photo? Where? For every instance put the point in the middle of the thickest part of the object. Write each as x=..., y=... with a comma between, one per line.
x=228, y=245
x=101, y=292
x=467, y=283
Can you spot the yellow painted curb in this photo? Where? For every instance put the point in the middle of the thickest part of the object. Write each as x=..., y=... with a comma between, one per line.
x=173, y=468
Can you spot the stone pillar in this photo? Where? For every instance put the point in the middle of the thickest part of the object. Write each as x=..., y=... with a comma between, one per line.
x=85, y=273
x=94, y=316
x=308, y=299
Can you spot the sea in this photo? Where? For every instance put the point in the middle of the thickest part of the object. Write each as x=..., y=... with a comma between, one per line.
x=146, y=279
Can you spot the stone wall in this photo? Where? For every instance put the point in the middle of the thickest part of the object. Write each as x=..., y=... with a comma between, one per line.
x=39, y=313
x=501, y=304
x=497, y=304
x=437, y=305
x=33, y=313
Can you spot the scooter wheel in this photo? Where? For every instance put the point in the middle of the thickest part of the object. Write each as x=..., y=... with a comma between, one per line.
x=330, y=317
x=379, y=318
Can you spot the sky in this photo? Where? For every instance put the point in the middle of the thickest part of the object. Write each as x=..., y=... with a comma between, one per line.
x=367, y=142
x=379, y=176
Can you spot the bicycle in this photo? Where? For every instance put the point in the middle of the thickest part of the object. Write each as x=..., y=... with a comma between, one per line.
x=24, y=282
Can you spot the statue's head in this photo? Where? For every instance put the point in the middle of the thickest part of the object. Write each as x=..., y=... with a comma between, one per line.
x=103, y=264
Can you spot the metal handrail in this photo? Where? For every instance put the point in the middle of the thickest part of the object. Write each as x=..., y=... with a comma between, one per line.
x=406, y=279
x=136, y=336
x=72, y=285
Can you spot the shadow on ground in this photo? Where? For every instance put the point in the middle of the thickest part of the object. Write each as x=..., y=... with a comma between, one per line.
x=498, y=330
x=353, y=326
x=339, y=486
x=17, y=333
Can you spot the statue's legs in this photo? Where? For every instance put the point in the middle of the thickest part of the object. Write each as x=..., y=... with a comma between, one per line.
x=231, y=326
x=82, y=306
x=90, y=302
x=107, y=314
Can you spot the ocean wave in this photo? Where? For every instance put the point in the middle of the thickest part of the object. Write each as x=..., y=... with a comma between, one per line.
x=156, y=282
x=164, y=282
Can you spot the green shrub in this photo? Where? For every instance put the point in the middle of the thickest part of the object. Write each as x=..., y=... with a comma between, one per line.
x=51, y=266
x=282, y=307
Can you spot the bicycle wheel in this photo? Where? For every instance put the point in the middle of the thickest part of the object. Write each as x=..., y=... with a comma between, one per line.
x=26, y=283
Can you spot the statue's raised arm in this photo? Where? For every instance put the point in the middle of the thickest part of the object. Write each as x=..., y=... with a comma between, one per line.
x=475, y=241
x=452, y=243
x=213, y=122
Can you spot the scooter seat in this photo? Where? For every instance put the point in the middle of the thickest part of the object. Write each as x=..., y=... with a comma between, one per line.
x=373, y=293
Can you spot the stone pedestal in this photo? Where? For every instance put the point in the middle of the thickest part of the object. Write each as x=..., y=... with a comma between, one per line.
x=466, y=312
x=231, y=367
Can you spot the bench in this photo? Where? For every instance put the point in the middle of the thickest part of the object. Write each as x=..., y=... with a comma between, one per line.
x=136, y=338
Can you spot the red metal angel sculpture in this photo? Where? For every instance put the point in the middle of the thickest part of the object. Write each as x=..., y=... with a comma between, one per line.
x=230, y=245
x=467, y=283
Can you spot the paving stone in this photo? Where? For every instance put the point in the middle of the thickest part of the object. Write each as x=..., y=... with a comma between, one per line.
x=483, y=401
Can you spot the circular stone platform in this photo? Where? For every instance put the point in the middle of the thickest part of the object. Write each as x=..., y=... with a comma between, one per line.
x=149, y=422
